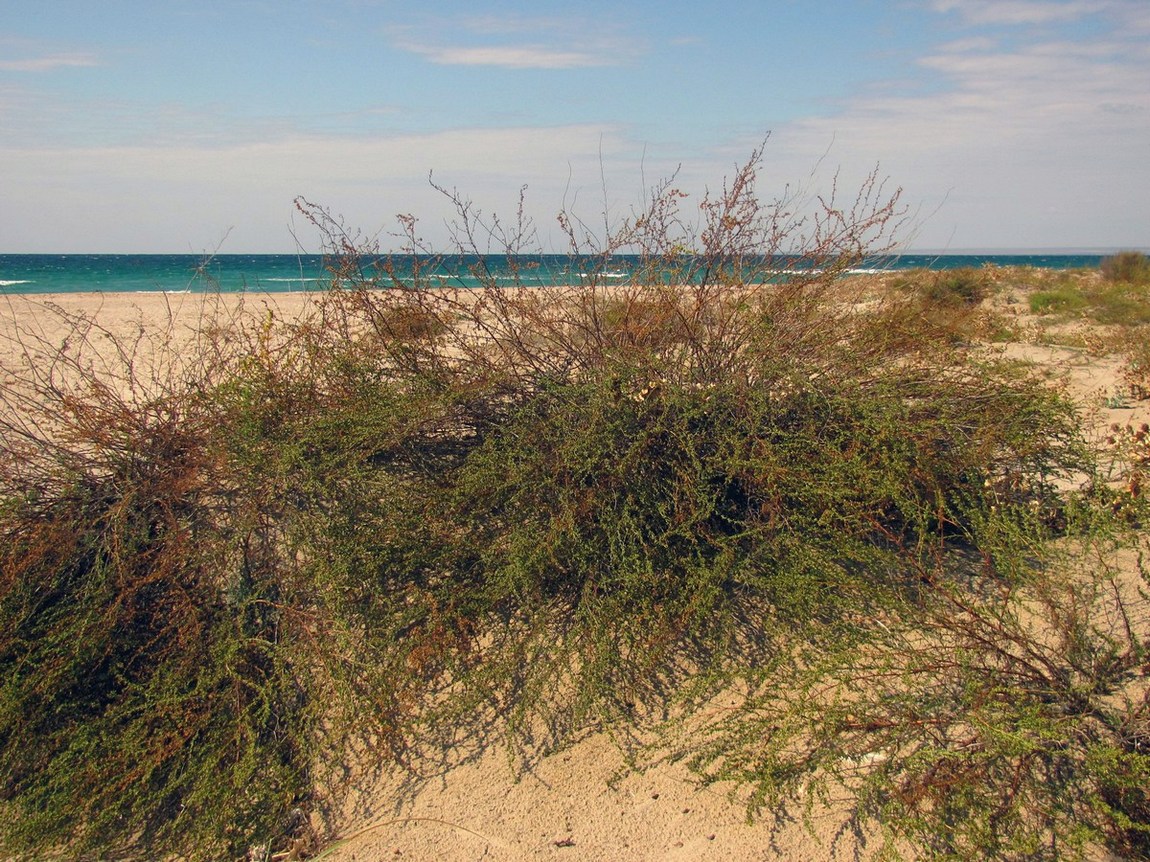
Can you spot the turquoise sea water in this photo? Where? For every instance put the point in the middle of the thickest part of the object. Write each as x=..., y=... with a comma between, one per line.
x=175, y=273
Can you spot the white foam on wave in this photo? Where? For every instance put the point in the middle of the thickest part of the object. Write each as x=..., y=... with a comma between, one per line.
x=6, y=283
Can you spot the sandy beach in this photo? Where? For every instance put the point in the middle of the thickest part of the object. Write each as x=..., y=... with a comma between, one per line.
x=46, y=318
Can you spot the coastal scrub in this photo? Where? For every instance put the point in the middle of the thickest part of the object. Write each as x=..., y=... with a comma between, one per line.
x=418, y=514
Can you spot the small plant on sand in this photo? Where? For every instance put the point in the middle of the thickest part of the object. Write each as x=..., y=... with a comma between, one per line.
x=949, y=302
x=1121, y=304
x=1058, y=300
x=1109, y=302
x=1135, y=348
x=965, y=285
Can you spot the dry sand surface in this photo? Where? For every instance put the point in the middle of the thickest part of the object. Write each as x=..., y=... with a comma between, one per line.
x=579, y=804
x=46, y=318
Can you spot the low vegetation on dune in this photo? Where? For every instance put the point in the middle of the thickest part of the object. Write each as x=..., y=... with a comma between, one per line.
x=1119, y=295
x=505, y=513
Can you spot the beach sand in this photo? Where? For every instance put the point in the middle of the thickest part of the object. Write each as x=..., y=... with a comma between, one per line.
x=47, y=319
x=581, y=803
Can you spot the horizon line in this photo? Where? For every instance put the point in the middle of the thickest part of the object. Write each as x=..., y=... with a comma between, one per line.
x=972, y=251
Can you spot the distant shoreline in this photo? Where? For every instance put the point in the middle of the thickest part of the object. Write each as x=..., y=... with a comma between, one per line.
x=961, y=251
x=40, y=274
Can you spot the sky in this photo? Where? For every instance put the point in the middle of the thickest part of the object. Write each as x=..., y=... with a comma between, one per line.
x=132, y=126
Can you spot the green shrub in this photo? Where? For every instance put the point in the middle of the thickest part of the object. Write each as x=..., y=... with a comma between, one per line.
x=180, y=591
x=1136, y=369
x=978, y=723
x=966, y=285
x=949, y=302
x=1118, y=303
x=152, y=695
x=651, y=521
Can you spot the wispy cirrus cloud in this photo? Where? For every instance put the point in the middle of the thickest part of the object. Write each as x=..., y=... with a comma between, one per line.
x=513, y=43
x=49, y=62
x=507, y=56
x=1021, y=11
x=1036, y=131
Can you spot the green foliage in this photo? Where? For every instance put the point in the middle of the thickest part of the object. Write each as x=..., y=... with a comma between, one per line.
x=184, y=581
x=1123, y=304
x=149, y=669
x=966, y=285
x=1120, y=302
x=652, y=519
x=950, y=302
x=1135, y=348
x=1057, y=300
x=976, y=723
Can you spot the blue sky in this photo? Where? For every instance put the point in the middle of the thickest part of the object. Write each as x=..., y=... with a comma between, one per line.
x=173, y=126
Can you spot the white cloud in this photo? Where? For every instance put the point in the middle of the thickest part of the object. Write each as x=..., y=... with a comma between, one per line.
x=508, y=57
x=1038, y=144
x=514, y=43
x=1020, y=11
x=974, y=43
x=1136, y=19
x=49, y=62
x=502, y=25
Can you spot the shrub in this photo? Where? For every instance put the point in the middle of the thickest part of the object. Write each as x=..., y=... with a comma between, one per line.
x=965, y=285
x=1119, y=303
x=645, y=521
x=1136, y=369
x=152, y=697
x=173, y=668
x=1132, y=267
x=949, y=302
x=982, y=723
x=417, y=510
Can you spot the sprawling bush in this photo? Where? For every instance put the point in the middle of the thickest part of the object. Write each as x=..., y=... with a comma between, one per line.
x=147, y=659
x=990, y=721
x=420, y=507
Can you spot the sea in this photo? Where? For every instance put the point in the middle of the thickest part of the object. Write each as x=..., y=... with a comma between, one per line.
x=232, y=273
